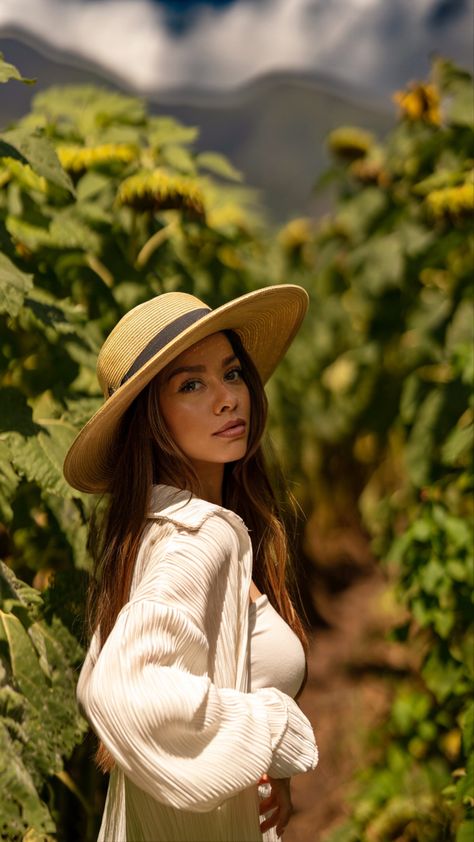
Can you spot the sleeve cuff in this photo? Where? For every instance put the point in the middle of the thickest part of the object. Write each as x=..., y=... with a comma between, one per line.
x=293, y=744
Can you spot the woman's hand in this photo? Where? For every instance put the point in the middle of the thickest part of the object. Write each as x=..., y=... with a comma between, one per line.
x=278, y=803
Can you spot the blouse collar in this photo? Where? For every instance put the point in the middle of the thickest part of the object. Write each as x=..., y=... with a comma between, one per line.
x=182, y=508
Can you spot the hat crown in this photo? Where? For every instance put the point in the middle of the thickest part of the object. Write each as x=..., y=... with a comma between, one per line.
x=135, y=330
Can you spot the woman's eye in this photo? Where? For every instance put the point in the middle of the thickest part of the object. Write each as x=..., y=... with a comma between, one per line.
x=189, y=386
x=234, y=374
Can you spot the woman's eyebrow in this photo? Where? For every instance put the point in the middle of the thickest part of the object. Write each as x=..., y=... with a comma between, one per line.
x=198, y=368
x=184, y=368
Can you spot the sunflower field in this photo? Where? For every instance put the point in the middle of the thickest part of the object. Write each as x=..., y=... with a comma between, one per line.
x=102, y=206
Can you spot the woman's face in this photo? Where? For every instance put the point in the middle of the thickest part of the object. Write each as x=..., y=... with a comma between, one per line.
x=205, y=403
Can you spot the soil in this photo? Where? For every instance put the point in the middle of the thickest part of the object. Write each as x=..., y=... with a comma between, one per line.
x=351, y=667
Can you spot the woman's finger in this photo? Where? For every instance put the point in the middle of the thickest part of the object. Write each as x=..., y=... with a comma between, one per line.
x=282, y=822
x=271, y=821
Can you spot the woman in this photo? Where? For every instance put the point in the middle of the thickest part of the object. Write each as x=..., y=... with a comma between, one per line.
x=189, y=679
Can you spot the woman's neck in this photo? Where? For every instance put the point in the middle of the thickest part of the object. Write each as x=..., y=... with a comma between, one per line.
x=210, y=481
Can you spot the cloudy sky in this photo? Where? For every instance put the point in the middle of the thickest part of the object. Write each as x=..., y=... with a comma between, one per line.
x=373, y=45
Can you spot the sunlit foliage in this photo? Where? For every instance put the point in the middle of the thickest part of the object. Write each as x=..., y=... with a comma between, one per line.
x=103, y=206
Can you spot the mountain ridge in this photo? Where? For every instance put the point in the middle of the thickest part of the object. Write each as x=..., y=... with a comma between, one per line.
x=272, y=128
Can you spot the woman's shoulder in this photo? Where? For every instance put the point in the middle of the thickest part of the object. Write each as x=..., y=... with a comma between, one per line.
x=189, y=546
x=186, y=532
x=189, y=513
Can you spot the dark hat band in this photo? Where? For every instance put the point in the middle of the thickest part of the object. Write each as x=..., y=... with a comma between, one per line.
x=162, y=338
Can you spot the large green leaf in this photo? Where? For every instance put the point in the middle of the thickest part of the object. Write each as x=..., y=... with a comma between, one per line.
x=20, y=804
x=39, y=723
x=37, y=151
x=39, y=458
x=14, y=285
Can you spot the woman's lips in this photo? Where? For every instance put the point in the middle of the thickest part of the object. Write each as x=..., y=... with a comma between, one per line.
x=234, y=429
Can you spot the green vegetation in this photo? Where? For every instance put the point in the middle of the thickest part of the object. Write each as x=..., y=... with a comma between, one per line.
x=388, y=374
x=103, y=206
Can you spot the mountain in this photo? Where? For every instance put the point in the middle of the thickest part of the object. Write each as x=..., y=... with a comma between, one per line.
x=273, y=129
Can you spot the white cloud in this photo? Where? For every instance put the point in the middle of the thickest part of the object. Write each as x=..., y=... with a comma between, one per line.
x=374, y=44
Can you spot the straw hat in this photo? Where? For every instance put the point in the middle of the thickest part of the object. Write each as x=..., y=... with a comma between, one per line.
x=147, y=338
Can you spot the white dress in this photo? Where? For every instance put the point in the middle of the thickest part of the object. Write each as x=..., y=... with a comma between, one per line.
x=168, y=696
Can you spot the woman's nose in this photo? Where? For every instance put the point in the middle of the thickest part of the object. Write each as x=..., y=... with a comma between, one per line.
x=225, y=399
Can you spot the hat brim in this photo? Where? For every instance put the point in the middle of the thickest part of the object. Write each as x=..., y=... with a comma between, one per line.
x=266, y=321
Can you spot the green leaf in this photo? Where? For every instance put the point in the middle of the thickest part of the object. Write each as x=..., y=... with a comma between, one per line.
x=441, y=178
x=8, y=484
x=20, y=804
x=91, y=185
x=441, y=674
x=67, y=231
x=39, y=723
x=468, y=729
x=458, y=570
x=34, y=237
x=9, y=71
x=419, y=449
x=415, y=238
x=89, y=108
x=179, y=159
x=39, y=458
x=431, y=575
x=444, y=623
x=24, y=664
x=166, y=130
x=460, y=108
x=49, y=312
x=458, y=445
x=74, y=528
x=14, y=285
x=408, y=709
x=38, y=152
x=378, y=265
x=219, y=165
x=357, y=214
x=465, y=786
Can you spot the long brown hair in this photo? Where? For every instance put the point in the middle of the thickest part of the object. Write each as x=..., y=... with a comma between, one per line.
x=146, y=454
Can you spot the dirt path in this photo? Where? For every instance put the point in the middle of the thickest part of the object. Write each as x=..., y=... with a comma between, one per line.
x=344, y=696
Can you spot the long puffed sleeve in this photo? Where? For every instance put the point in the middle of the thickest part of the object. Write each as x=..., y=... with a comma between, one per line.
x=150, y=699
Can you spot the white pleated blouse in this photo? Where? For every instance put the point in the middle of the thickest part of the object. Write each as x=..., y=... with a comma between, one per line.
x=167, y=694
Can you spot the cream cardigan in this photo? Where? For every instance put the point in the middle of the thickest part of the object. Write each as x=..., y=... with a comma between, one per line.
x=167, y=693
